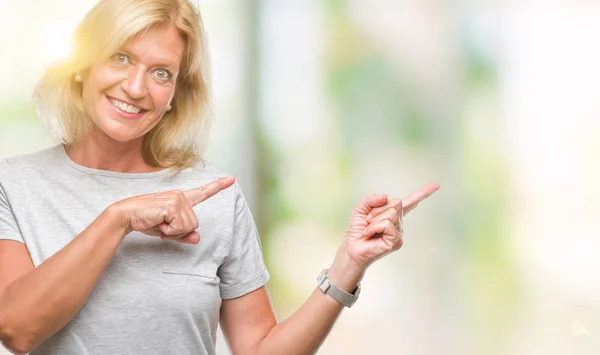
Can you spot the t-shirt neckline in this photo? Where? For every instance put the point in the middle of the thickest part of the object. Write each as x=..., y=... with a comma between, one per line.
x=115, y=174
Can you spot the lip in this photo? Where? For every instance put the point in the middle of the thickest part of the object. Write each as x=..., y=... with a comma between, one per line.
x=126, y=115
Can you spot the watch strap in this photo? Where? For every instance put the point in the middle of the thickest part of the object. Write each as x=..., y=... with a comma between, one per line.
x=343, y=297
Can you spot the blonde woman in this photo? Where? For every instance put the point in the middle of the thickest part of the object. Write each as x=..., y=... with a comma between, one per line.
x=121, y=240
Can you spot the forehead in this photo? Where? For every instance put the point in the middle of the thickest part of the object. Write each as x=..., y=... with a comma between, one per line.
x=160, y=44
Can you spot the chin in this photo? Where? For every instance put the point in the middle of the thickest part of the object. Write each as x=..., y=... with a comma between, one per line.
x=119, y=133
x=123, y=138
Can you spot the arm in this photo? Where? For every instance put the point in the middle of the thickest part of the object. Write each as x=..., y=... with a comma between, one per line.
x=250, y=326
x=37, y=302
x=248, y=322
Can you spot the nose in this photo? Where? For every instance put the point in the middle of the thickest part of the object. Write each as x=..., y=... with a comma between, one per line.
x=135, y=83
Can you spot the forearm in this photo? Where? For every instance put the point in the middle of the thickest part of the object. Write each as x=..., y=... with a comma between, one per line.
x=305, y=331
x=41, y=302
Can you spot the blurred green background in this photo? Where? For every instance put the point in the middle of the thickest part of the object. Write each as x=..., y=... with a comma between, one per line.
x=318, y=103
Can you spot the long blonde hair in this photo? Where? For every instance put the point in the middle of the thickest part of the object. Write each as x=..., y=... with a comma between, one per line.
x=178, y=139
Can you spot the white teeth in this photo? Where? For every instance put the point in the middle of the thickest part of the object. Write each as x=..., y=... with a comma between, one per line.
x=124, y=107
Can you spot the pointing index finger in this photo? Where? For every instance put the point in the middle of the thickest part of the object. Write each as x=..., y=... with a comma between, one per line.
x=411, y=201
x=200, y=194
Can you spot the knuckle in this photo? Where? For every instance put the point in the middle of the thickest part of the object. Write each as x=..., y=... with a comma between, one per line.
x=174, y=231
x=393, y=212
x=170, y=200
x=163, y=213
x=175, y=195
x=399, y=243
x=169, y=210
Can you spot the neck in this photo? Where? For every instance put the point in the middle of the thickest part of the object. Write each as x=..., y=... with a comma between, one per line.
x=98, y=151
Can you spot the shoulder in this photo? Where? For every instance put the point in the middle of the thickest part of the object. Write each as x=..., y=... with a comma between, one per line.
x=20, y=165
x=203, y=172
x=43, y=159
x=17, y=169
x=206, y=168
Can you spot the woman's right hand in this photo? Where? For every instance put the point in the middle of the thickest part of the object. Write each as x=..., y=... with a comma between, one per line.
x=170, y=214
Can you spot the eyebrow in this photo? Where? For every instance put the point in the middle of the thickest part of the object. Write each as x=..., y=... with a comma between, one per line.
x=171, y=67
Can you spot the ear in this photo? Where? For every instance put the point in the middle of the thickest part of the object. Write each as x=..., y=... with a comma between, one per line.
x=169, y=107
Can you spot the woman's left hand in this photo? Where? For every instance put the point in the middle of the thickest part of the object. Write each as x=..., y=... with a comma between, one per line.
x=375, y=228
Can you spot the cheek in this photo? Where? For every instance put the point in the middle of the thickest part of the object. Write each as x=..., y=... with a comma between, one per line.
x=98, y=80
x=88, y=98
x=161, y=96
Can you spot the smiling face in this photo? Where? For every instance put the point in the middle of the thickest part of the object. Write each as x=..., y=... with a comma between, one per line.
x=127, y=94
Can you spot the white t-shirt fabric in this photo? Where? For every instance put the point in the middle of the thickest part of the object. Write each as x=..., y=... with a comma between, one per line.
x=155, y=297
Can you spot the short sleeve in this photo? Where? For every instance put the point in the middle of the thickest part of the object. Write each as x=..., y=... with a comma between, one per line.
x=244, y=269
x=9, y=230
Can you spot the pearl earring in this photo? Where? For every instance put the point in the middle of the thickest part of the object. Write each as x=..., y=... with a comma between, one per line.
x=169, y=108
x=78, y=78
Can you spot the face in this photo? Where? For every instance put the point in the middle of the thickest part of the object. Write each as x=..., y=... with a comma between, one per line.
x=127, y=94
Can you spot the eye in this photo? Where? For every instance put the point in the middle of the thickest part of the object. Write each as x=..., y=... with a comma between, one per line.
x=162, y=74
x=121, y=58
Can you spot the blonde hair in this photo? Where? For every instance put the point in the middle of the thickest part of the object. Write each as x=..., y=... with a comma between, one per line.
x=177, y=140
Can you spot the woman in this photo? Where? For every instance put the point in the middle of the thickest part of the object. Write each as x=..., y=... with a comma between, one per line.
x=81, y=268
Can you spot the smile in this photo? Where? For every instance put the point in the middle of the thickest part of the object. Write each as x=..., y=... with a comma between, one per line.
x=125, y=107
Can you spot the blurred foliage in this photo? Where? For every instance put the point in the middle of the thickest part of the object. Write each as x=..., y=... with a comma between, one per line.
x=367, y=93
x=16, y=112
x=491, y=280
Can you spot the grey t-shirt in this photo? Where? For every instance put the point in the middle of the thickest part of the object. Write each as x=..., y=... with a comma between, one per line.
x=155, y=297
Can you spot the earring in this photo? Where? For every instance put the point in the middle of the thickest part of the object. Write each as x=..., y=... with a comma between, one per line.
x=78, y=78
x=169, y=108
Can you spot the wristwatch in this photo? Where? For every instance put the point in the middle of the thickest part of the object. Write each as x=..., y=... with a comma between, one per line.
x=343, y=297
